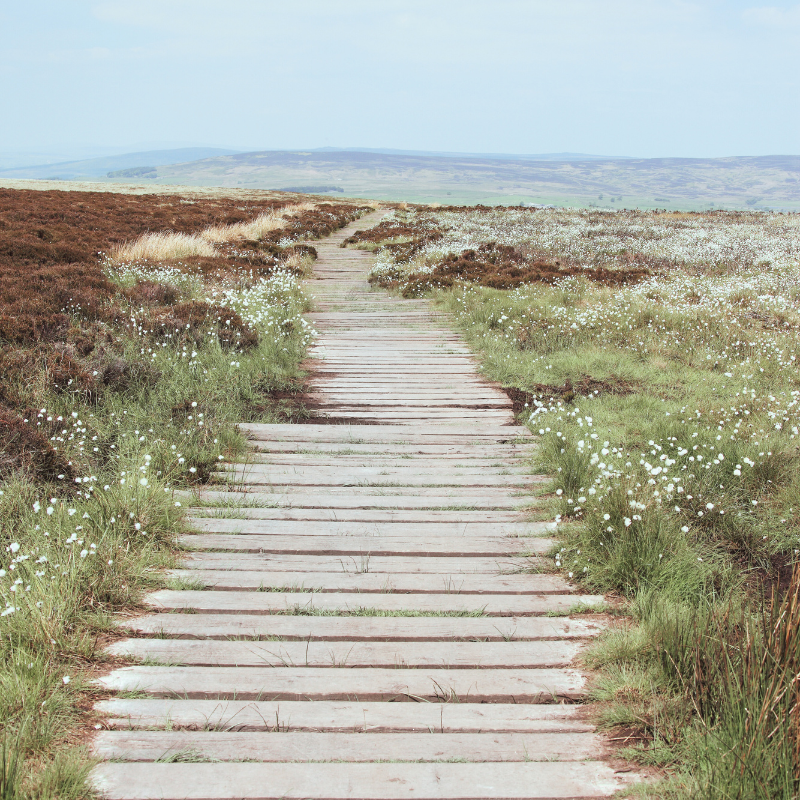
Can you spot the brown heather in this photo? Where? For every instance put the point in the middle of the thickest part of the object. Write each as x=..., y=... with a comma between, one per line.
x=61, y=318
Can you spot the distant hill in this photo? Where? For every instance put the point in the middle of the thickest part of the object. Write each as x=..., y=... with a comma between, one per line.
x=100, y=167
x=458, y=178
x=758, y=181
x=491, y=156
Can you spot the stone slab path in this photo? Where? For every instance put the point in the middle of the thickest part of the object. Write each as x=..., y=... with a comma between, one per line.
x=363, y=613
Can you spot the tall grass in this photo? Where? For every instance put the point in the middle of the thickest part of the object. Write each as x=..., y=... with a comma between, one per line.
x=741, y=673
x=254, y=230
x=169, y=246
x=164, y=246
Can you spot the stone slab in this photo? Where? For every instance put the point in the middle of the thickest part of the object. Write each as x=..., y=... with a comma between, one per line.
x=436, y=454
x=319, y=602
x=333, y=716
x=368, y=582
x=349, y=683
x=231, y=781
x=302, y=746
x=457, y=529
x=357, y=545
x=364, y=564
x=359, y=515
x=258, y=475
x=382, y=460
x=346, y=653
x=289, y=432
x=365, y=497
x=376, y=629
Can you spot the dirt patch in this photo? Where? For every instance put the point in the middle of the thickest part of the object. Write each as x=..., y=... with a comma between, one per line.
x=772, y=581
x=546, y=392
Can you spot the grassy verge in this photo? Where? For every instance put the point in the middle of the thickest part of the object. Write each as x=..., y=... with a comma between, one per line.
x=129, y=394
x=661, y=381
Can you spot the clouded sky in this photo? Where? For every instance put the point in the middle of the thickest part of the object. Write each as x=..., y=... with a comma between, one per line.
x=618, y=77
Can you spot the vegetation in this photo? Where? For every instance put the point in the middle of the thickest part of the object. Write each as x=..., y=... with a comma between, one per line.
x=742, y=182
x=667, y=409
x=120, y=381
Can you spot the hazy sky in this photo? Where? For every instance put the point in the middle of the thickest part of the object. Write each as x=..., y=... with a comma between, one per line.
x=617, y=77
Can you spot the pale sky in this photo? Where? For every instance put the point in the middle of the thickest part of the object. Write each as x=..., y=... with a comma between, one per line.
x=617, y=77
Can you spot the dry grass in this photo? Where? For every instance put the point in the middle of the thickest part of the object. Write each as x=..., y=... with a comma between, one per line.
x=164, y=246
x=298, y=263
x=254, y=230
x=168, y=246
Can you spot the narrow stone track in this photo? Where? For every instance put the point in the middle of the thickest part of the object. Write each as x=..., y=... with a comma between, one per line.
x=364, y=616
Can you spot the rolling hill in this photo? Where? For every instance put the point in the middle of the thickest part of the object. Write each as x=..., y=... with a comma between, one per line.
x=761, y=182
x=100, y=167
x=571, y=179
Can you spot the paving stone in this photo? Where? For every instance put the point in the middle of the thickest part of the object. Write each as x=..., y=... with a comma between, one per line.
x=336, y=716
x=260, y=475
x=337, y=497
x=319, y=602
x=340, y=460
x=344, y=653
x=365, y=563
x=490, y=781
x=355, y=545
x=352, y=747
x=369, y=582
x=384, y=433
x=345, y=683
x=358, y=515
x=410, y=530
x=375, y=629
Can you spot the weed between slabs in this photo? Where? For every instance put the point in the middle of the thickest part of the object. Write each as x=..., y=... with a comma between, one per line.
x=667, y=405
x=120, y=381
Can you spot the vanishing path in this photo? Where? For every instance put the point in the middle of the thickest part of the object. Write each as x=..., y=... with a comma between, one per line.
x=370, y=622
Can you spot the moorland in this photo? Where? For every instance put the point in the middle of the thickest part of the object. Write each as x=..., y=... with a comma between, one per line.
x=135, y=332
x=654, y=355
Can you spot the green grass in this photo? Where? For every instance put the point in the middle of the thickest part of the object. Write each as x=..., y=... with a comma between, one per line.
x=692, y=559
x=75, y=554
x=678, y=481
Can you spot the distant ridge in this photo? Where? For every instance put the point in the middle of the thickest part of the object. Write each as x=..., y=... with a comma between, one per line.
x=99, y=167
x=454, y=154
x=755, y=182
x=677, y=183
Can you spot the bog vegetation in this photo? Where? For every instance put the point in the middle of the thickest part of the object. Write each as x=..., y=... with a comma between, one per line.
x=134, y=333
x=655, y=355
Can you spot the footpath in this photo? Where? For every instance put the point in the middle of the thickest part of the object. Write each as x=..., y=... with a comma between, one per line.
x=366, y=615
